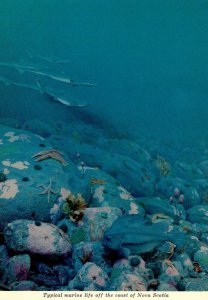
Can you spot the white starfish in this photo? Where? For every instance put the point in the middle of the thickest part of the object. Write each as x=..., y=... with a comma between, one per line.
x=47, y=189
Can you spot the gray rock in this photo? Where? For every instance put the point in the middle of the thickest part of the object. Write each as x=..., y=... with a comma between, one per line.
x=4, y=257
x=186, y=262
x=198, y=214
x=98, y=219
x=25, y=285
x=125, y=266
x=165, y=187
x=162, y=206
x=64, y=274
x=125, y=147
x=46, y=280
x=196, y=284
x=202, y=188
x=42, y=268
x=203, y=166
x=111, y=193
x=17, y=268
x=19, y=194
x=204, y=238
x=129, y=172
x=170, y=273
x=164, y=286
x=188, y=171
x=36, y=238
x=129, y=282
x=90, y=277
x=136, y=177
x=90, y=252
x=201, y=257
x=192, y=245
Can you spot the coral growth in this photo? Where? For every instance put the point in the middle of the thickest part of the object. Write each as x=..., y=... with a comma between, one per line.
x=97, y=181
x=74, y=207
x=163, y=165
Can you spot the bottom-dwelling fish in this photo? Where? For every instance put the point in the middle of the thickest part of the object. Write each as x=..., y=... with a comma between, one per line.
x=128, y=234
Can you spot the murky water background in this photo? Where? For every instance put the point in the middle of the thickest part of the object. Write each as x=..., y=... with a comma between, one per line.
x=148, y=59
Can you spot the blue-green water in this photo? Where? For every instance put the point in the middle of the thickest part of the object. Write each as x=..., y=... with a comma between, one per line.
x=124, y=180
x=148, y=59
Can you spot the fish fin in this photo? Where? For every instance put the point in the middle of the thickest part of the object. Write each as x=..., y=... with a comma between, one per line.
x=40, y=87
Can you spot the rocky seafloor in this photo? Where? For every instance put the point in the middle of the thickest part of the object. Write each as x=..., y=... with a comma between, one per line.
x=83, y=208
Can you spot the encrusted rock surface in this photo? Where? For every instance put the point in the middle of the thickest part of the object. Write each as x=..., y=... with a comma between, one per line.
x=36, y=237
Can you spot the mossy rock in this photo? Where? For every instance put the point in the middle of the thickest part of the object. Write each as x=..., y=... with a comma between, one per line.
x=202, y=258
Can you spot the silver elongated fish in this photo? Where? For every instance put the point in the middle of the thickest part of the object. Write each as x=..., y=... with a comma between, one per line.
x=51, y=59
x=50, y=76
x=69, y=81
x=54, y=60
x=83, y=84
x=17, y=66
x=8, y=82
x=56, y=98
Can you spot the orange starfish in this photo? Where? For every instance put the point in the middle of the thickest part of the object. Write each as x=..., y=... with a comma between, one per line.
x=53, y=153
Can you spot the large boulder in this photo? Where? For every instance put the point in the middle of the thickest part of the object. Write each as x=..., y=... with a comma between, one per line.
x=129, y=282
x=22, y=179
x=198, y=214
x=90, y=277
x=90, y=252
x=201, y=257
x=159, y=206
x=166, y=186
x=196, y=284
x=17, y=268
x=35, y=237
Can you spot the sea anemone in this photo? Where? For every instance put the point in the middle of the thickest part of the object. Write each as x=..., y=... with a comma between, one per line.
x=74, y=207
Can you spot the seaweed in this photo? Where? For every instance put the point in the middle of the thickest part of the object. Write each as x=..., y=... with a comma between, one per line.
x=74, y=207
x=163, y=166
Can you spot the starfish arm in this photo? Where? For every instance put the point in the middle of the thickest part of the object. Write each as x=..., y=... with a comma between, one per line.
x=62, y=161
x=56, y=151
x=42, y=186
x=54, y=192
x=42, y=157
x=48, y=196
x=58, y=158
x=42, y=193
x=46, y=152
x=40, y=153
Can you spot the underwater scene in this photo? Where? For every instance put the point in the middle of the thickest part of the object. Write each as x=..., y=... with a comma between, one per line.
x=103, y=145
